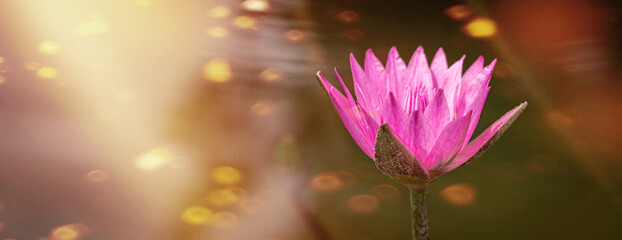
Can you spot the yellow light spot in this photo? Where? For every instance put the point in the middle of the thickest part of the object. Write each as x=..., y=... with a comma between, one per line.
x=295, y=35
x=1, y=60
x=481, y=27
x=91, y=27
x=460, y=194
x=217, y=70
x=196, y=215
x=245, y=22
x=32, y=66
x=218, y=32
x=262, y=107
x=222, y=197
x=49, y=47
x=219, y=12
x=226, y=175
x=97, y=176
x=69, y=232
x=256, y=5
x=326, y=183
x=386, y=192
x=223, y=219
x=363, y=204
x=347, y=16
x=47, y=73
x=2, y=79
x=459, y=12
x=271, y=74
x=106, y=115
x=144, y=3
x=153, y=159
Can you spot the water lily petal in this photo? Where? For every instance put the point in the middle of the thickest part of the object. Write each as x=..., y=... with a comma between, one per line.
x=395, y=73
x=449, y=143
x=473, y=70
x=439, y=67
x=453, y=78
x=395, y=159
x=484, y=141
x=437, y=112
x=472, y=89
x=364, y=88
x=349, y=117
x=476, y=107
x=375, y=72
x=418, y=134
x=392, y=113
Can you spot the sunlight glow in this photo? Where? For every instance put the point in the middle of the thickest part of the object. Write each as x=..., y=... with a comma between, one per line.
x=47, y=73
x=481, y=27
x=49, y=47
x=460, y=194
x=153, y=159
x=226, y=175
x=256, y=5
x=196, y=215
x=219, y=12
x=217, y=70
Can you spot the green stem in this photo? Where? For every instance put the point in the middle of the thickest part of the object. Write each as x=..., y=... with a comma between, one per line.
x=419, y=212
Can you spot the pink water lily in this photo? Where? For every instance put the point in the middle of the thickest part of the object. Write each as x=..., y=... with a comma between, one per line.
x=416, y=120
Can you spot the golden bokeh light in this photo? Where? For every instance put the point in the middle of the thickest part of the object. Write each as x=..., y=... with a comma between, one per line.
x=32, y=66
x=1, y=60
x=92, y=27
x=363, y=204
x=222, y=197
x=2, y=79
x=295, y=35
x=460, y=194
x=326, y=183
x=219, y=12
x=385, y=192
x=226, y=175
x=217, y=70
x=69, y=232
x=263, y=107
x=49, y=47
x=97, y=176
x=223, y=220
x=271, y=74
x=245, y=22
x=256, y=5
x=144, y=3
x=480, y=27
x=153, y=159
x=217, y=32
x=196, y=215
x=47, y=73
x=347, y=16
x=459, y=12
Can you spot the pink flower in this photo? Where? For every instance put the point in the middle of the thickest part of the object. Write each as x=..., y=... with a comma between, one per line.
x=416, y=120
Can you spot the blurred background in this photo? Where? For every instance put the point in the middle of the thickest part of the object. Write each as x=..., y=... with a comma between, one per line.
x=164, y=119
